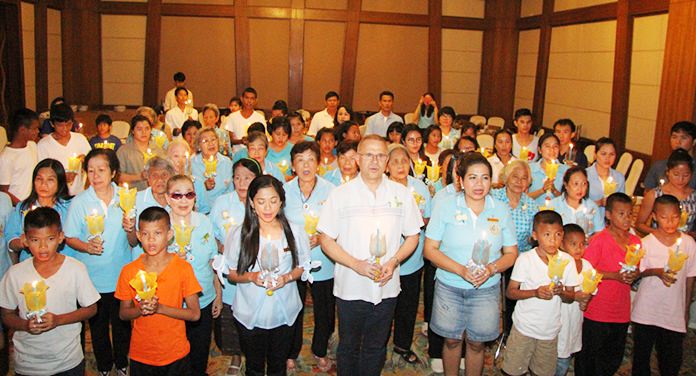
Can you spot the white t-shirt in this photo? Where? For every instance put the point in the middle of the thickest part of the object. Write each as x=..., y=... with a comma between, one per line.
x=238, y=124
x=78, y=145
x=320, y=120
x=534, y=317
x=351, y=215
x=57, y=350
x=170, y=99
x=570, y=336
x=17, y=167
x=175, y=117
x=532, y=148
x=497, y=165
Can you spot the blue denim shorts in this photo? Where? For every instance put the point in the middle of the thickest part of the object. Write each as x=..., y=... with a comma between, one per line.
x=474, y=311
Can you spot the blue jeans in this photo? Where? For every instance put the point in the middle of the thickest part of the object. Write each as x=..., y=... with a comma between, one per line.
x=363, y=332
x=562, y=365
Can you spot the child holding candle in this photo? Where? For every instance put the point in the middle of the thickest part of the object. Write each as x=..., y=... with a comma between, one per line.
x=573, y=204
x=533, y=342
x=279, y=148
x=212, y=168
x=265, y=320
x=200, y=252
x=50, y=343
x=524, y=142
x=327, y=143
x=570, y=336
x=547, y=173
x=104, y=255
x=159, y=344
x=608, y=314
x=49, y=189
x=662, y=301
x=19, y=156
x=603, y=179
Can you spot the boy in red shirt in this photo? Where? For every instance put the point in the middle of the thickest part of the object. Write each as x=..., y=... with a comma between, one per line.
x=158, y=341
x=609, y=312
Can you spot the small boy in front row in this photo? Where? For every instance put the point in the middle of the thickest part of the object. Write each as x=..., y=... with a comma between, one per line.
x=532, y=345
x=158, y=342
x=661, y=304
x=47, y=342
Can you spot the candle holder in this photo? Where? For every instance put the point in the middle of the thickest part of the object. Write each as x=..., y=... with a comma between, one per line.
x=551, y=169
x=634, y=253
x=419, y=167
x=35, y=299
x=95, y=225
x=311, y=221
x=480, y=256
x=524, y=154
x=182, y=238
x=433, y=174
x=268, y=263
x=147, y=155
x=126, y=199
x=210, y=167
x=74, y=163
x=609, y=186
x=583, y=218
x=378, y=248
x=283, y=166
x=590, y=280
x=676, y=260
x=145, y=285
x=556, y=268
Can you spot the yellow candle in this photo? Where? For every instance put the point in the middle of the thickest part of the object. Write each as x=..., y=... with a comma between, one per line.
x=634, y=253
x=283, y=166
x=126, y=198
x=590, y=280
x=74, y=163
x=148, y=155
x=35, y=296
x=419, y=167
x=551, y=169
x=524, y=154
x=182, y=236
x=433, y=173
x=419, y=199
x=609, y=186
x=145, y=284
x=160, y=139
x=95, y=223
x=676, y=259
x=311, y=221
x=210, y=167
x=683, y=218
x=556, y=268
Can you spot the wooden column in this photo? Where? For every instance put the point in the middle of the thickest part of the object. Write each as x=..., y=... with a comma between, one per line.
x=241, y=45
x=435, y=49
x=11, y=58
x=350, y=51
x=153, y=37
x=500, y=40
x=542, y=71
x=41, y=54
x=81, y=29
x=296, y=55
x=622, y=75
x=678, y=88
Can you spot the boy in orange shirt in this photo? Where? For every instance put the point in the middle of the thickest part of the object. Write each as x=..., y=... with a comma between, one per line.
x=158, y=341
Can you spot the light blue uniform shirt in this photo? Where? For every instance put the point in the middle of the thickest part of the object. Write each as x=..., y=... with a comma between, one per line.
x=596, y=187
x=14, y=227
x=227, y=213
x=456, y=227
x=414, y=262
x=334, y=177
x=295, y=209
x=276, y=157
x=442, y=194
x=223, y=180
x=252, y=307
x=143, y=200
x=5, y=210
x=587, y=208
x=522, y=217
x=103, y=269
x=539, y=176
x=270, y=168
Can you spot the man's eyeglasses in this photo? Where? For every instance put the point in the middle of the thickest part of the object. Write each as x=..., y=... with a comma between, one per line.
x=379, y=157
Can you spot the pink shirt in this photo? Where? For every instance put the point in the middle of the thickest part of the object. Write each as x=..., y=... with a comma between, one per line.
x=656, y=304
x=613, y=300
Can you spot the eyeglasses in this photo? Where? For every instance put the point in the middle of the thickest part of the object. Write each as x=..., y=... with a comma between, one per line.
x=178, y=196
x=380, y=157
x=414, y=140
x=205, y=141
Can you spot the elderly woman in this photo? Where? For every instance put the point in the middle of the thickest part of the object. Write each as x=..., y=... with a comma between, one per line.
x=212, y=168
x=211, y=119
x=467, y=288
x=133, y=155
x=189, y=132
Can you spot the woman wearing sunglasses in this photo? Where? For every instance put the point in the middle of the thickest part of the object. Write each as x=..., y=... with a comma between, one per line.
x=199, y=252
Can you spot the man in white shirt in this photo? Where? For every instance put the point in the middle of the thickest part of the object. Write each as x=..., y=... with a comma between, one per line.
x=367, y=214
x=379, y=122
x=325, y=118
x=18, y=159
x=63, y=144
x=239, y=121
x=170, y=98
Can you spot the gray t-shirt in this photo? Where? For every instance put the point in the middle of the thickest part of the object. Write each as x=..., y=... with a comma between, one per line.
x=132, y=160
x=59, y=349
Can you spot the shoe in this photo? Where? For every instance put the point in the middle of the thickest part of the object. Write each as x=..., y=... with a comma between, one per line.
x=407, y=355
x=462, y=364
x=424, y=329
x=122, y=371
x=290, y=364
x=436, y=365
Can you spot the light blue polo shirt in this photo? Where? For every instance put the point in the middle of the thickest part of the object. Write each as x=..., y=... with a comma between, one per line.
x=587, y=208
x=456, y=227
x=14, y=227
x=296, y=207
x=5, y=211
x=223, y=180
x=414, y=262
x=276, y=157
x=539, y=176
x=227, y=213
x=103, y=269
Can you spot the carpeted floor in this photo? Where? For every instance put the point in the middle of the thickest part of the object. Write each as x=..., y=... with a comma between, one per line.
x=217, y=364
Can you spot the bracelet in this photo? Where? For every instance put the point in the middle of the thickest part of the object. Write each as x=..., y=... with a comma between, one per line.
x=495, y=268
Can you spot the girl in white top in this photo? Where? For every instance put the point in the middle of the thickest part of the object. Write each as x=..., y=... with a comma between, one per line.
x=183, y=111
x=432, y=136
x=524, y=138
x=502, y=155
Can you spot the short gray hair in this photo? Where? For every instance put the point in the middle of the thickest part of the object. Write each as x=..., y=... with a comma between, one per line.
x=161, y=164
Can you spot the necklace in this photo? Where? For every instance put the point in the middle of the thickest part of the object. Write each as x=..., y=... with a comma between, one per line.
x=305, y=205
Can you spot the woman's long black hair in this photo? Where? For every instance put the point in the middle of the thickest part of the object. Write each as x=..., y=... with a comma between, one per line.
x=62, y=194
x=250, y=228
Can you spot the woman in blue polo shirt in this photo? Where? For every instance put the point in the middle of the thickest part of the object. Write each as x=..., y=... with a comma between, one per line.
x=217, y=182
x=304, y=196
x=573, y=204
x=467, y=296
x=543, y=188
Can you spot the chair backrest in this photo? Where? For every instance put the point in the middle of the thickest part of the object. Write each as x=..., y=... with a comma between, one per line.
x=120, y=129
x=624, y=163
x=496, y=121
x=633, y=176
x=540, y=132
x=3, y=137
x=410, y=117
x=590, y=154
x=478, y=120
x=485, y=140
x=362, y=128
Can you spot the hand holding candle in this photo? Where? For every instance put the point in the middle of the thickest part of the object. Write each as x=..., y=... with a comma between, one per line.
x=35, y=298
x=210, y=167
x=311, y=221
x=433, y=174
x=419, y=167
x=126, y=199
x=378, y=248
x=524, y=154
x=556, y=268
x=182, y=237
x=95, y=224
x=269, y=263
x=74, y=163
x=676, y=260
x=590, y=280
x=148, y=155
x=634, y=253
x=609, y=186
x=479, y=256
x=551, y=169
x=145, y=285
x=283, y=166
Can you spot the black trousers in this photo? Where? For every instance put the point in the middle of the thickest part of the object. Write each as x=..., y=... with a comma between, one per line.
x=177, y=368
x=78, y=370
x=226, y=334
x=298, y=326
x=324, y=315
x=406, y=309
x=265, y=350
x=109, y=351
x=668, y=345
x=603, y=346
x=199, y=335
x=509, y=305
x=363, y=332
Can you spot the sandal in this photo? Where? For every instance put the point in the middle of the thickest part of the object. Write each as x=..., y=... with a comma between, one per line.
x=290, y=364
x=323, y=364
x=407, y=355
x=234, y=369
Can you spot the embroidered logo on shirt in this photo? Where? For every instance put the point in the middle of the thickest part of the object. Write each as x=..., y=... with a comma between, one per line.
x=460, y=217
x=395, y=203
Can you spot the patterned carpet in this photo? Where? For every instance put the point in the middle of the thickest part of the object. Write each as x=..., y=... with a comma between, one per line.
x=217, y=364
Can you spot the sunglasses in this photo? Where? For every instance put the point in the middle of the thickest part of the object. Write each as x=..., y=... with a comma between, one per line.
x=178, y=196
